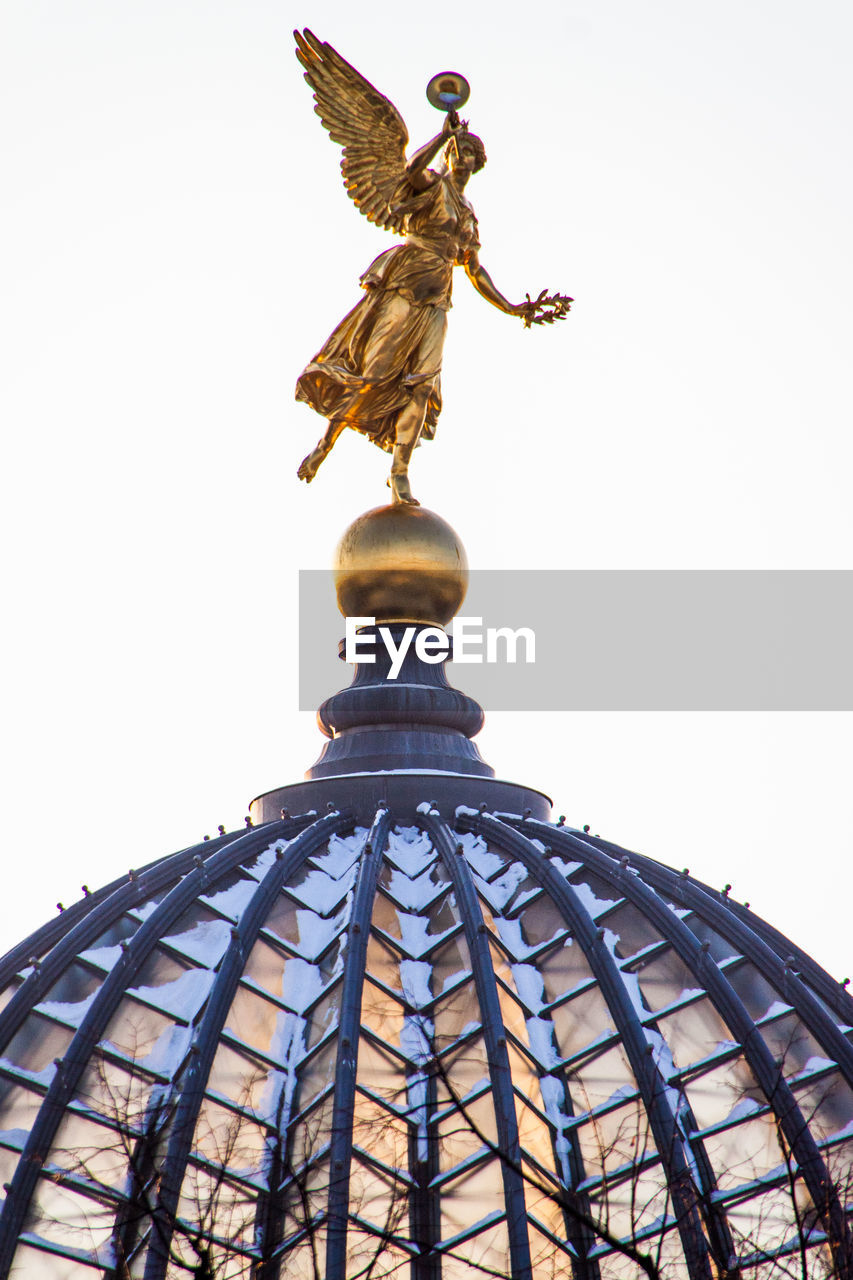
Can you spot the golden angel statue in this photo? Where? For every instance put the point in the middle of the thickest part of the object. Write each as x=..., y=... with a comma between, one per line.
x=379, y=372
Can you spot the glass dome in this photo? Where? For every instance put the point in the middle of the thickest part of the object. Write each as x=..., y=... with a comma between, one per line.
x=437, y=1044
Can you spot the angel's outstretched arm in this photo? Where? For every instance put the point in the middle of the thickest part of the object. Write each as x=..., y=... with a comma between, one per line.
x=545, y=309
x=485, y=285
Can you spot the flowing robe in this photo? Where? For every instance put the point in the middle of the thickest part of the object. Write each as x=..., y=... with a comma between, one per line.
x=391, y=342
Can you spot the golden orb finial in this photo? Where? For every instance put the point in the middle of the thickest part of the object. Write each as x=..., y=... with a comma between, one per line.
x=401, y=564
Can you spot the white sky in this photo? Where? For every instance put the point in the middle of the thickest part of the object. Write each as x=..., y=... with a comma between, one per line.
x=176, y=245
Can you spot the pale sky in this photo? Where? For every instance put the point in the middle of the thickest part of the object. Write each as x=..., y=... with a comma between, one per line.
x=177, y=244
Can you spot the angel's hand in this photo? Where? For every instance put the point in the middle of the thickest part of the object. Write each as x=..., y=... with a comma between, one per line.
x=545, y=309
x=453, y=127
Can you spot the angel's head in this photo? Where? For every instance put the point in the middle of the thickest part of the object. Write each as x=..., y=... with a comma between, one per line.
x=466, y=152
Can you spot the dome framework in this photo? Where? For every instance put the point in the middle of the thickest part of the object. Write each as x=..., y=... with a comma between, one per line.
x=420, y=1043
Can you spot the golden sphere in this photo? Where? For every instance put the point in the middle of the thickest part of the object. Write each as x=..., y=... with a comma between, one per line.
x=401, y=564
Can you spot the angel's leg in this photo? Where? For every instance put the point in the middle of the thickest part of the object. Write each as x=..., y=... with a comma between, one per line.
x=410, y=424
x=308, y=467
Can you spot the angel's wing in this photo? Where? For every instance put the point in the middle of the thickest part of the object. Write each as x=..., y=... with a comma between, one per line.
x=368, y=127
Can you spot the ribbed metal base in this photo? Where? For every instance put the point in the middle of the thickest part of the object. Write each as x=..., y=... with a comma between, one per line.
x=415, y=721
x=362, y=793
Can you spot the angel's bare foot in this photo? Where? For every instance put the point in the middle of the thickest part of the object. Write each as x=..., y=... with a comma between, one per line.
x=401, y=490
x=308, y=466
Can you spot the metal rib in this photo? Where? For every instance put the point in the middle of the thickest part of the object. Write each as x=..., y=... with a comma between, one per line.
x=130, y=1221
x=54, y=930
x=97, y=1017
x=653, y=1089
x=494, y=1035
x=203, y=1050
x=579, y=1233
x=790, y=1118
x=424, y=1207
x=707, y=904
x=717, y=1225
x=347, y=1050
x=831, y=992
x=123, y=896
x=49, y=934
